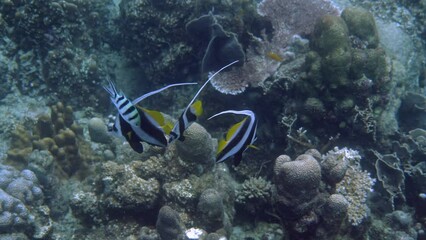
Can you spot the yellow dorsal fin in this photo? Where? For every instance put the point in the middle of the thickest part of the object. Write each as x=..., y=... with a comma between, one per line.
x=197, y=108
x=221, y=145
x=167, y=128
x=234, y=129
x=156, y=115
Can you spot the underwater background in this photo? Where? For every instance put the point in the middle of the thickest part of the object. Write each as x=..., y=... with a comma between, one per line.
x=337, y=87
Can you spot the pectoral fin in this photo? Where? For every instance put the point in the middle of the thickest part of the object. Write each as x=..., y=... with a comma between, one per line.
x=253, y=146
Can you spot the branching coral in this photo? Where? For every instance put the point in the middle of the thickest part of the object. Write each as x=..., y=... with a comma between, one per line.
x=355, y=186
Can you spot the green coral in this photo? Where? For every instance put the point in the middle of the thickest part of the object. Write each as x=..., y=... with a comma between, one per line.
x=361, y=24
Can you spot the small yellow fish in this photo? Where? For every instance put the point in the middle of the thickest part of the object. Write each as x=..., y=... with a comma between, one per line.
x=275, y=56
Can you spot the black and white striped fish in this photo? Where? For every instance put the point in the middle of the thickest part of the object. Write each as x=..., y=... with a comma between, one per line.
x=239, y=137
x=192, y=111
x=137, y=124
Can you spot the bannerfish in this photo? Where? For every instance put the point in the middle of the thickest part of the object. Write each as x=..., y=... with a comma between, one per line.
x=192, y=111
x=239, y=137
x=138, y=124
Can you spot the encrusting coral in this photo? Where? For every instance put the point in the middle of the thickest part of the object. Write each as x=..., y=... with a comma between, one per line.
x=59, y=134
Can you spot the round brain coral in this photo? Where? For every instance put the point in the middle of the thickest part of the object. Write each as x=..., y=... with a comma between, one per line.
x=197, y=146
x=335, y=209
x=298, y=179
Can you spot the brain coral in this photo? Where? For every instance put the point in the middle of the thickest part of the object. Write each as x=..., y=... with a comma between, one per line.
x=298, y=179
x=168, y=224
x=197, y=146
x=297, y=183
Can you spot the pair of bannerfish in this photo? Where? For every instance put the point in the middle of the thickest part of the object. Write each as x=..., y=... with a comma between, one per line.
x=137, y=124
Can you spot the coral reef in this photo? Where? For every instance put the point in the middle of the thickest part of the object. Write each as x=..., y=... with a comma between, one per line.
x=59, y=134
x=57, y=46
x=260, y=63
x=163, y=44
x=222, y=48
x=306, y=205
x=168, y=224
x=297, y=184
x=22, y=199
x=254, y=195
x=198, y=147
x=98, y=131
x=211, y=210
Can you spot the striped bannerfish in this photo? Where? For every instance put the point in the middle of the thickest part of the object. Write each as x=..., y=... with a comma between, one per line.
x=239, y=137
x=137, y=124
x=192, y=111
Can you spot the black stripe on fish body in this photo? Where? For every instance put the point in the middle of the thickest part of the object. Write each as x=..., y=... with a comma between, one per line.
x=132, y=138
x=152, y=130
x=173, y=136
x=119, y=99
x=135, y=115
x=239, y=155
x=123, y=104
x=190, y=117
x=235, y=140
x=130, y=110
x=183, y=123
